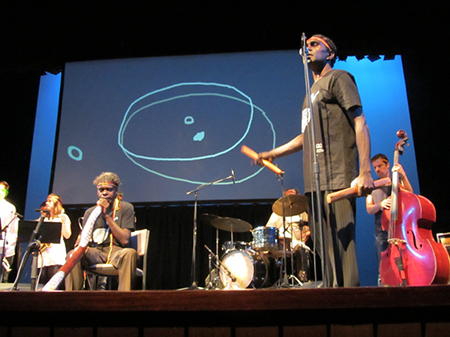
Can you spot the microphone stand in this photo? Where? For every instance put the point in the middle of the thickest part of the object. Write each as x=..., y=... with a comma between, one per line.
x=32, y=248
x=218, y=264
x=3, y=230
x=194, y=285
x=316, y=168
x=3, y=254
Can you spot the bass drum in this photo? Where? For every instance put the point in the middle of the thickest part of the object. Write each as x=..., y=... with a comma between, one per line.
x=248, y=268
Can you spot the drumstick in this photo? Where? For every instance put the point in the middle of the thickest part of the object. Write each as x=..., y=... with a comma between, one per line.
x=353, y=191
x=252, y=154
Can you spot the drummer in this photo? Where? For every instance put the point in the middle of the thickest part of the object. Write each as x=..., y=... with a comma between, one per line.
x=293, y=223
x=296, y=224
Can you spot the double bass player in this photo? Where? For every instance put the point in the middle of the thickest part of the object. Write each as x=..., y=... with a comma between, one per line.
x=380, y=199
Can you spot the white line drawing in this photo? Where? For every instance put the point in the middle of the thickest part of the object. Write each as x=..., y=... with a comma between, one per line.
x=156, y=99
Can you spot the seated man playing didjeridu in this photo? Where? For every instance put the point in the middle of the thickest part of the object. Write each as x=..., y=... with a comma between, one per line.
x=110, y=236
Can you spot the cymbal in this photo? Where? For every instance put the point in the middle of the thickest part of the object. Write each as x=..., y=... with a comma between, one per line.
x=293, y=205
x=208, y=217
x=231, y=225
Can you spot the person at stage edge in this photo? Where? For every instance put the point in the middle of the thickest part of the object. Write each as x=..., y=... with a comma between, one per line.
x=53, y=255
x=380, y=199
x=342, y=137
x=9, y=225
x=110, y=237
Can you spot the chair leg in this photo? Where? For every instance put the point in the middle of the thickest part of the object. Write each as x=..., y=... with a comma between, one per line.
x=91, y=281
x=102, y=283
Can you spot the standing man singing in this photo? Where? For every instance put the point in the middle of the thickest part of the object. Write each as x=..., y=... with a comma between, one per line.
x=110, y=236
x=342, y=138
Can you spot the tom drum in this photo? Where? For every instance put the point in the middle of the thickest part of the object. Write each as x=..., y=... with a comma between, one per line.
x=265, y=238
x=232, y=245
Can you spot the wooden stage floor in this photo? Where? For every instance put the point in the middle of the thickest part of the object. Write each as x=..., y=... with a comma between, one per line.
x=250, y=307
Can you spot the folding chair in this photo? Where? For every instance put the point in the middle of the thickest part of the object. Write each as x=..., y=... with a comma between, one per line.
x=139, y=241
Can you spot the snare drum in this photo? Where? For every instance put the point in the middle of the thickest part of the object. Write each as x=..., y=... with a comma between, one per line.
x=248, y=267
x=265, y=238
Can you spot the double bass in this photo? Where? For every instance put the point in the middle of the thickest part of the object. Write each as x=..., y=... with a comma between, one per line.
x=413, y=257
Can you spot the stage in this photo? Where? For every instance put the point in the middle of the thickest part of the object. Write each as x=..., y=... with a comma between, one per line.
x=303, y=311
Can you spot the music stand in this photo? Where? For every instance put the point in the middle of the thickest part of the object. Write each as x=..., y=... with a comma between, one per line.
x=36, y=232
x=50, y=232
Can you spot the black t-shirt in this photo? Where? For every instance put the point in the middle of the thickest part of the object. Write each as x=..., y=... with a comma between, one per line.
x=124, y=217
x=332, y=96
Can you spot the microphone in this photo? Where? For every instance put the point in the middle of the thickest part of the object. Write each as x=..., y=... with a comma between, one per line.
x=232, y=177
x=19, y=215
x=300, y=51
x=303, y=51
x=42, y=210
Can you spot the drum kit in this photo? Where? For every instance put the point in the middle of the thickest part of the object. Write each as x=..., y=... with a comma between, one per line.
x=255, y=264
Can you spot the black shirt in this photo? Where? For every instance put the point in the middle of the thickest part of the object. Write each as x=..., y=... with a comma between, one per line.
x=332, y=96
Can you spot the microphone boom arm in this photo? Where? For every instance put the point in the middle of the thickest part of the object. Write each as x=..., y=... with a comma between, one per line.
x=212, y=183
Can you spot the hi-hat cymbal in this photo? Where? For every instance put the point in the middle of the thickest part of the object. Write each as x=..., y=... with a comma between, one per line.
x=293, y=205
x=231, y=225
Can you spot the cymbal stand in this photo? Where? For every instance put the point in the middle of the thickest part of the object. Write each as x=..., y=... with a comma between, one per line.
x=217, y=248
x=194, y=285
x=292, y=275
x=284, y=278
x=214, y=278
x=231, y=236
x=221, y=266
